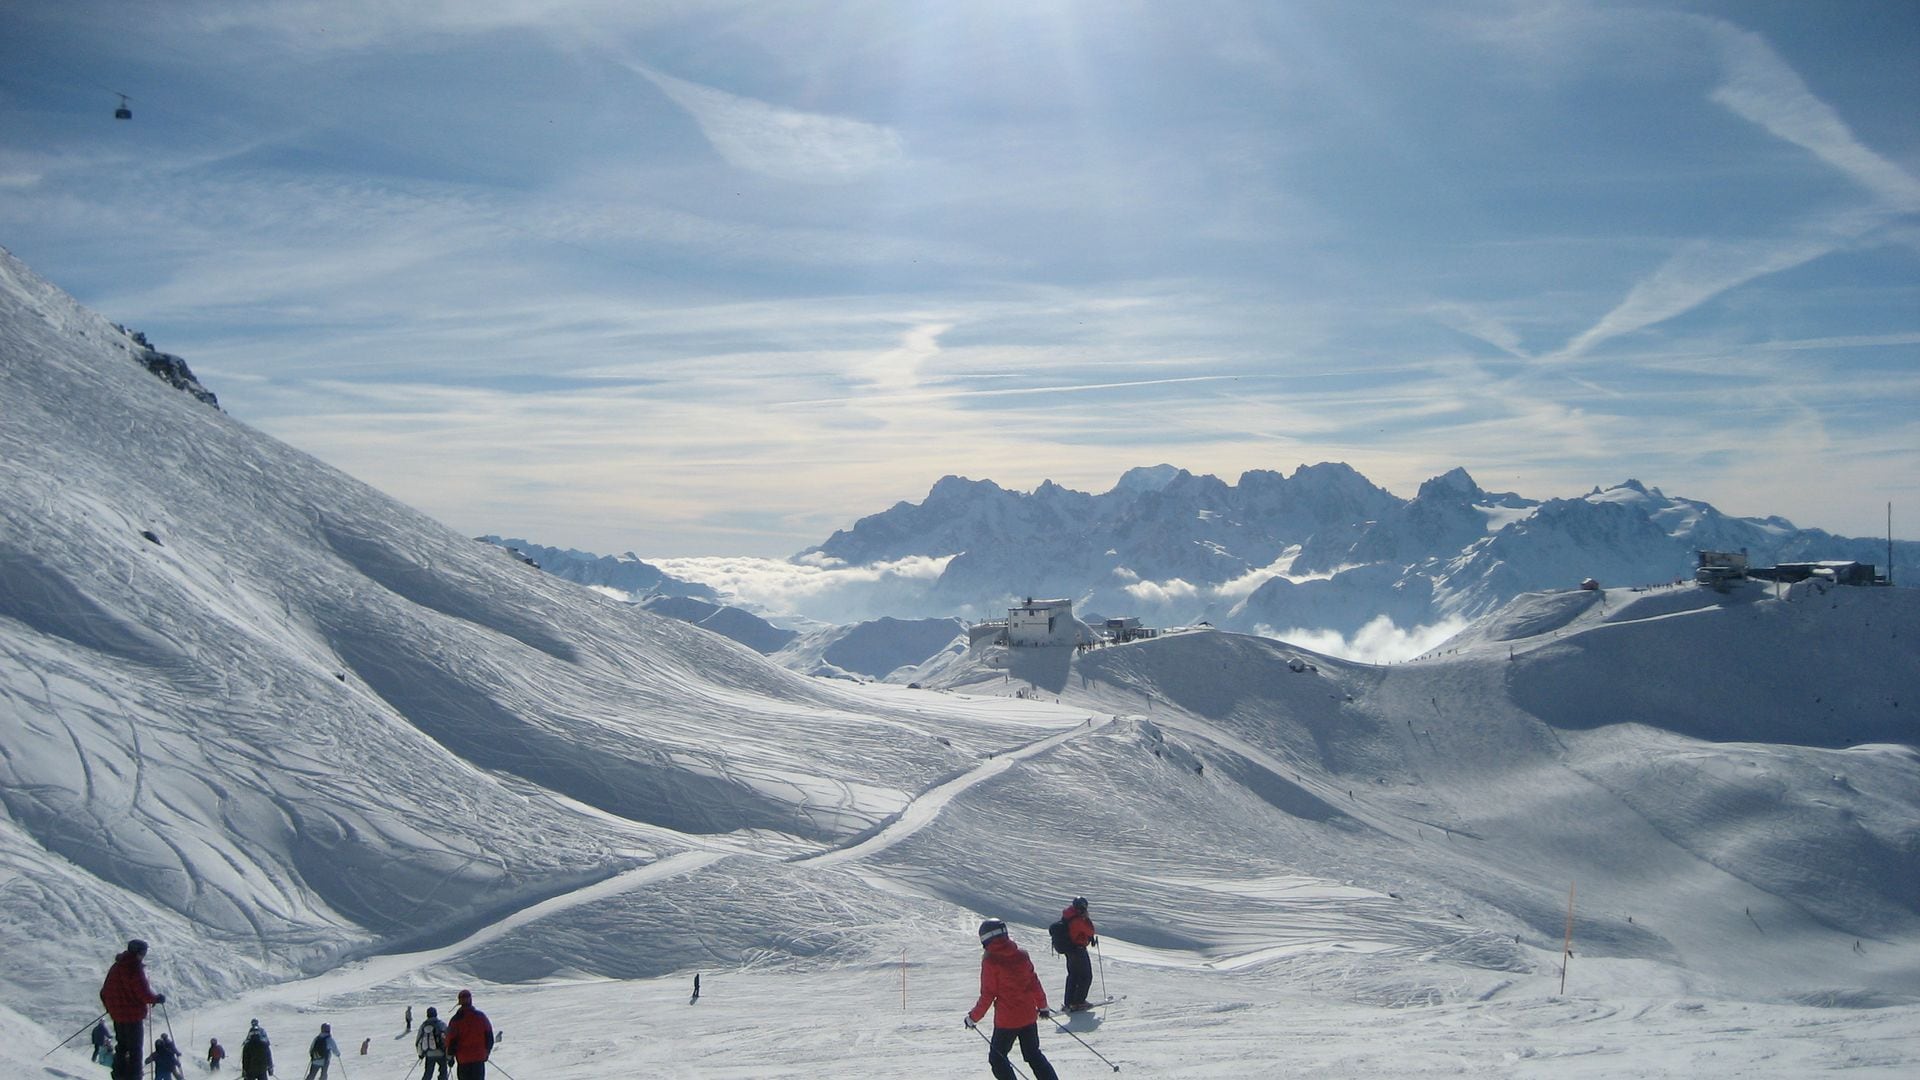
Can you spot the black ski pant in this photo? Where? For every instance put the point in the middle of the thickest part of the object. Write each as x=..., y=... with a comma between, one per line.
x=127, y=1040
x=433, y=1063
x=470, y=1070
x=1029, y=1037
x=1079, y=976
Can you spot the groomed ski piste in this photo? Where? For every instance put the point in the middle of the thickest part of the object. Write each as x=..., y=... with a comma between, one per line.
x=334, y=760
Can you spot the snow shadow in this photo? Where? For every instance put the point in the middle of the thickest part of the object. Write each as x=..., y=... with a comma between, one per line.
x=43, y=599
x=461, y=717
x=424, y=586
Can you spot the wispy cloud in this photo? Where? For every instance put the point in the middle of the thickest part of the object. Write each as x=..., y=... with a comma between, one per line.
x=780, y=142
x=1760, y=87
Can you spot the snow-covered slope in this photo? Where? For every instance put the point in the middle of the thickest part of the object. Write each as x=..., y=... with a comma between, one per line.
x=334, y=760
x=249, y=699
x=879, y=649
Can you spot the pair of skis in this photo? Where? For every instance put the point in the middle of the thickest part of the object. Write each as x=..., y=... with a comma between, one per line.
x=1088, y=1007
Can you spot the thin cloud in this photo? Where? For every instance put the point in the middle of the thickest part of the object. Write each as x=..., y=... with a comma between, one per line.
x=1758, y=86
x=1017, y=391
x=1762, y=88
x=779, y=142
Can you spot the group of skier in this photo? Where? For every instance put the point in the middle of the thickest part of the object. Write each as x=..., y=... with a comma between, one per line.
x=464, y=1042
x=1011, y=988
x=1008, y=985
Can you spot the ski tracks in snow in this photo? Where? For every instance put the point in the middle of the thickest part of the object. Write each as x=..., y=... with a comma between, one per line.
x=919, y=812
x=926, y=806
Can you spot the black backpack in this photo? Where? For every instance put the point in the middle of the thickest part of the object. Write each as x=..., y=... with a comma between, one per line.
x=1062, y=941
x=319, y=1048
x=253, y=1055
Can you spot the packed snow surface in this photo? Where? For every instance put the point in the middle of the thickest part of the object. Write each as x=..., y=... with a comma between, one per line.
x=334, y=760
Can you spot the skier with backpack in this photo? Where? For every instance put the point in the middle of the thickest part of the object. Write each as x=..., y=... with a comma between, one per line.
x=215, y=1055
x=126, y=995
x=102, y=1043
x=1071, y=936
x=321, y=1052
x=256, y=1054
x=1010, y=987
x=431, y=1044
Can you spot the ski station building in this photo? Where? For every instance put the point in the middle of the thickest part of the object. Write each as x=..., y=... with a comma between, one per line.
x=1042, y=622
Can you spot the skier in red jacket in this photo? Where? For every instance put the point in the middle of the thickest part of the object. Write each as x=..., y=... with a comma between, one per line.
x=126, y=995
x=1080, y=934
x=469, y=1039
x=1008, y=985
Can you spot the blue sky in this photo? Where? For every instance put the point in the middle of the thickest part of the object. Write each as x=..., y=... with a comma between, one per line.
x=692, y=278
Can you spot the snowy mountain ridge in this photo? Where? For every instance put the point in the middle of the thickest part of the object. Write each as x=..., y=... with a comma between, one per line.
x=1322, y=549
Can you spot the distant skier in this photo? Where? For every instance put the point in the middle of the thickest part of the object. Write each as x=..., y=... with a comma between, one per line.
x=215, y=1055
x=102, y=1043
x=409, y=1019
x=1009, y=986
x=431, y=1044
x=1078, y=934
x=469, y=1039
x=256, y=1054
x=126, y=995
x=321, y=1052
x=165, y=1059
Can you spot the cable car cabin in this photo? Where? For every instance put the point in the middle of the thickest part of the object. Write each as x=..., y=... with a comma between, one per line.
x=123, y=113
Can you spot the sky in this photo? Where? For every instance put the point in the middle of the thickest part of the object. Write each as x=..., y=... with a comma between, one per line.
x=717, y=278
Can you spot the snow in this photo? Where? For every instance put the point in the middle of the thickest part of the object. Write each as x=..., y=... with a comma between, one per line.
x=334, y=760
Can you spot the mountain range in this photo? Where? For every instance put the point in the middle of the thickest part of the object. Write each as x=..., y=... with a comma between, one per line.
x=1322, y=549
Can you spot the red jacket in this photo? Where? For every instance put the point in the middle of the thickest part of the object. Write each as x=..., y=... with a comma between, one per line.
x=1007, y=983
x=469, y=1035
x=126, y=993
x=1080, y=929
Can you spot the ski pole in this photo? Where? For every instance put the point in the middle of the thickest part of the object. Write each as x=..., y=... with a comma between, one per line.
x=75, y=1035
x=496, y=1068
x=169, y=1020
x=1017, y=1071
x=1103, y=967
x=1082, y=1042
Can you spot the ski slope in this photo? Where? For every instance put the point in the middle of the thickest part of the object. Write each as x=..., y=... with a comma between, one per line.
x=334, y=760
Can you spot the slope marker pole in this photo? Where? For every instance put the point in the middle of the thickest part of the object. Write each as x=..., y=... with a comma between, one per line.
x=1566, y=950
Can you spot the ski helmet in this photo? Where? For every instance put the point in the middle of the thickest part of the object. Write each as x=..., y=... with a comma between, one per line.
x=137, y=946
x=991, y=929
x=1080, y=902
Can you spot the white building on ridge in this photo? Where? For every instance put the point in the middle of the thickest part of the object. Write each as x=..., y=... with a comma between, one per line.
x=1042, y=622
